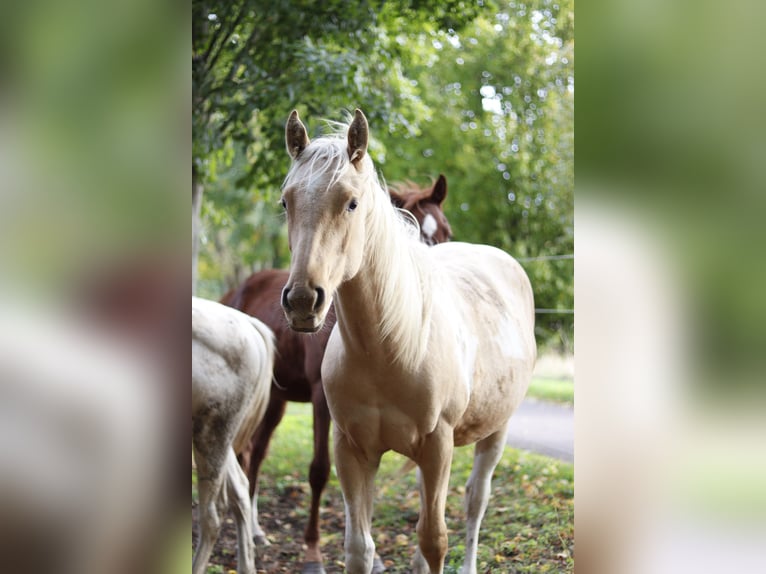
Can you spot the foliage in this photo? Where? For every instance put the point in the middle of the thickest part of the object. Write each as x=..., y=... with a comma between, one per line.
x=241, y=234
x=254, y=61
x=504, y=137
x=479, y=92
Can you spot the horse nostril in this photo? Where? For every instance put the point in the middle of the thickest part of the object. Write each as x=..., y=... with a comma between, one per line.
x=285, y=302
x=320, y=298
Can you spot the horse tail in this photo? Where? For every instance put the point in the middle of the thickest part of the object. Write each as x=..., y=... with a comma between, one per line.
x=405, y=469
x=261, y=380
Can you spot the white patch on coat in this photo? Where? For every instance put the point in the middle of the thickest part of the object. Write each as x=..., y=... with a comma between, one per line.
x=509, y=339
x=429, y=226
x=469, y=345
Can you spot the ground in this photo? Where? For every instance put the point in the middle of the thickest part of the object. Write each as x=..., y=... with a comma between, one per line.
x=529, y=526
x=283, y=517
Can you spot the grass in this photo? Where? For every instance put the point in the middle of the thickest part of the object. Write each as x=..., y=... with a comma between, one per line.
x=529, y=525
x=556, y=390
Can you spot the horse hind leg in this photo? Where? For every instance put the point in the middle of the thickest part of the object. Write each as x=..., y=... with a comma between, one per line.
x=319, y=473
x=487, y=455
x=210, y=481
x=239, y=499
x=258, y=447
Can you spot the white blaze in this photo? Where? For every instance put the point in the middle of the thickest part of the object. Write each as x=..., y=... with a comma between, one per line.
x=429, y=225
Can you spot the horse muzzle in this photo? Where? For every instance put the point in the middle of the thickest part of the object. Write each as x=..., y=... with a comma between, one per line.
x=304, y=307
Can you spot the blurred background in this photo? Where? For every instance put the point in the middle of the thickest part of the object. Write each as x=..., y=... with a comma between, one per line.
x=670, y=278
x=94, y=145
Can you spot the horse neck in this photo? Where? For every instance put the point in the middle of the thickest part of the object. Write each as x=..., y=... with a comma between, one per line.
x=384, y=310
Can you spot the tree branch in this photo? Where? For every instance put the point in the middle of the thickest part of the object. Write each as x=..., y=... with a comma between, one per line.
x=212, y=60
x=234, y=64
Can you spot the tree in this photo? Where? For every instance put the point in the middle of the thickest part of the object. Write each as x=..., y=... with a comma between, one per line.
x=252, y=61
x=503, y=135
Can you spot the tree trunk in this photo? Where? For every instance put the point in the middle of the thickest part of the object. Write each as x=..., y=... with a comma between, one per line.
x=196, y=223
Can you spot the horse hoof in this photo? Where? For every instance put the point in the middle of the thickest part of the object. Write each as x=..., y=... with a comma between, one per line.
x=261, y=540
x=377, y=565
x=313, y=568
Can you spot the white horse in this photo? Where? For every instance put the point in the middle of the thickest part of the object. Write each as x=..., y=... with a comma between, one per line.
x=433, y=348
x=232, y=364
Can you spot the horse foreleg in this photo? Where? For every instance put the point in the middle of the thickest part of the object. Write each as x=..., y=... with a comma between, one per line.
x=258, y=448
x=319, y=472
x=434, y=460
x=486, y=456
x=356, y=471
x=239, y=501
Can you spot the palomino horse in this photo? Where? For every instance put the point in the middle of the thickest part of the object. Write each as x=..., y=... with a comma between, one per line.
x=232, y=363
x=433, y=347
x=298, y=360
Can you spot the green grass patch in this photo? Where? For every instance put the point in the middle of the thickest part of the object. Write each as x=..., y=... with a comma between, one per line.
x=556, y=390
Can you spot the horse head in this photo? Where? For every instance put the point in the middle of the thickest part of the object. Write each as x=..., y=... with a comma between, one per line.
x=426, y=205
x=327, y=195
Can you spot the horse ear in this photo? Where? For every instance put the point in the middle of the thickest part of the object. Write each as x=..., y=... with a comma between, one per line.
x=396, y=199
x=296, y=137
x=358, y=133
x=439, y=192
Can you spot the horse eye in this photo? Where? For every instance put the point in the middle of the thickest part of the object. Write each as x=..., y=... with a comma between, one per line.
x=283, y=203
x=352, y=205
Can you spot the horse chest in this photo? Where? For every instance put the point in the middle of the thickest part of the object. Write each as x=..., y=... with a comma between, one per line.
x=384, y=409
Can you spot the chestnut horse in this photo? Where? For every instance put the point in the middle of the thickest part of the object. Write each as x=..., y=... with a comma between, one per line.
x=299, y=358
x=433, y=347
